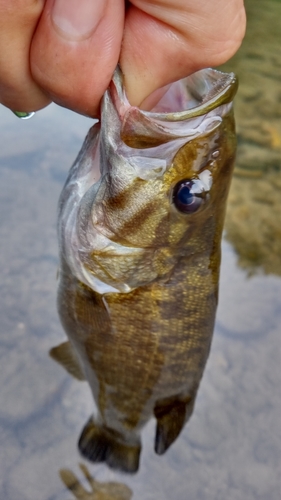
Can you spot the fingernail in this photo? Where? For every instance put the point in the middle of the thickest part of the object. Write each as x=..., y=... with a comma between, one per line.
x=77, y=19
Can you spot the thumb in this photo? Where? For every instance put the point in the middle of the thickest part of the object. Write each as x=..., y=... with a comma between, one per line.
x=75, y=50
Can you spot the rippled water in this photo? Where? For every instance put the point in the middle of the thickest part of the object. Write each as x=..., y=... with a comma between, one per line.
x=231, y=448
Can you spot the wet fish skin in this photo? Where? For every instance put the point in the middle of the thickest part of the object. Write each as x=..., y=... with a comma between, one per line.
x=138, y=283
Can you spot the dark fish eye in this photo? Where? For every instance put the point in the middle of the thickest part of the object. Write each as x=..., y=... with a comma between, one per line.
x=188, y=195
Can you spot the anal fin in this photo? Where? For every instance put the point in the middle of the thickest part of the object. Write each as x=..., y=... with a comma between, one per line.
x=171, y=417
x=64, y=354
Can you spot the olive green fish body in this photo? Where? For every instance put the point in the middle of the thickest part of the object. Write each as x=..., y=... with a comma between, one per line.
x=140, y=257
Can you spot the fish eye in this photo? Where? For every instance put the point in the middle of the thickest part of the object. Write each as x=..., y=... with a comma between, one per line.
x=189, y=195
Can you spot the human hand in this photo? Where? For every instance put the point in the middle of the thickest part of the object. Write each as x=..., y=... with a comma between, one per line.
x=66, y=50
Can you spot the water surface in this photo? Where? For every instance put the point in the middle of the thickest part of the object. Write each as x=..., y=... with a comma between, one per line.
x=231, y=448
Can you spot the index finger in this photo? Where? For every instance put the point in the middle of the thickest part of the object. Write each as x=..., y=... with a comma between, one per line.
x=166, y=40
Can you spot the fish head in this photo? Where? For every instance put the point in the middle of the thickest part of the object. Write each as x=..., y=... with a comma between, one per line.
x=164, y=178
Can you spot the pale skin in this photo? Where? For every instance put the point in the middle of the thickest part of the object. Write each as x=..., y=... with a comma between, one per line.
x=66, y=50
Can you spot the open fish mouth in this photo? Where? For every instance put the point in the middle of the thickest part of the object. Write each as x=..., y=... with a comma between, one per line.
x=193, y=97
x=147, y=140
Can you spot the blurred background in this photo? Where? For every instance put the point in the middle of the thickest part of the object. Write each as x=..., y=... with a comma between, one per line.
x=231, y=448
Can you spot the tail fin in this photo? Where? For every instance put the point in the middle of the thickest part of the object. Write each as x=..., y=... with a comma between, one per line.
x=100, y=444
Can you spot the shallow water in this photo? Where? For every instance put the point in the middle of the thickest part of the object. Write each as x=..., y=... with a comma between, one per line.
x=231, y=448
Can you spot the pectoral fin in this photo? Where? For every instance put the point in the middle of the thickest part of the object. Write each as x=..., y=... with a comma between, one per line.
x=64, y=354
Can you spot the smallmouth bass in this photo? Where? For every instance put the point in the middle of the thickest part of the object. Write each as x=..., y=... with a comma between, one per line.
x=140, y=223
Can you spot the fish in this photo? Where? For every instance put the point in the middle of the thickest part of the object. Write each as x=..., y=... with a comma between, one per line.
x=140, y=222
